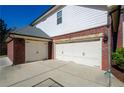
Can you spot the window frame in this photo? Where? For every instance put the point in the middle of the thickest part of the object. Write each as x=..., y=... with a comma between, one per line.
x=59, y=17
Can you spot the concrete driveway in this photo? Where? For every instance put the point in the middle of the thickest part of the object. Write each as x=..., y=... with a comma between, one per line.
x=4, y=61
x=54, y=73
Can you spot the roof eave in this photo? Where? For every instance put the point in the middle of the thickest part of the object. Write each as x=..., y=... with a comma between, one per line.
x=46, y=14
x=12, y=36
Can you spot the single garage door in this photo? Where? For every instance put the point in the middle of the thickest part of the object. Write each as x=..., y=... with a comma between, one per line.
x=86, y=53
x=36, y=50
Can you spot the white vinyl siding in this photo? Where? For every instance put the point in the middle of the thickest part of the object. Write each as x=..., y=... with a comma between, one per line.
x=74, y=18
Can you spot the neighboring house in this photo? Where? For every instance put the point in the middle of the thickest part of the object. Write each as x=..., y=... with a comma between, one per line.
x=28, y=44
x=79, y=34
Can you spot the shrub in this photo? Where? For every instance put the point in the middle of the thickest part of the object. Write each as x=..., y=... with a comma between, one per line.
x=118, y=58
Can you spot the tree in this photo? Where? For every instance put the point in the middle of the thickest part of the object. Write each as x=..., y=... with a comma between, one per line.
x=3, y=32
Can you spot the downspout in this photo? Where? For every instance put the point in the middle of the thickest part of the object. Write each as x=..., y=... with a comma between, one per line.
x=115, y=20
x=109, y=50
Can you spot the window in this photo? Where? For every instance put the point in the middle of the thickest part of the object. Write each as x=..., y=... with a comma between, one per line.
x=59, y=17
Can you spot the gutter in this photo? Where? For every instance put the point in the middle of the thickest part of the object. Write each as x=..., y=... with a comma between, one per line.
x=30, y=36
x=13, y=35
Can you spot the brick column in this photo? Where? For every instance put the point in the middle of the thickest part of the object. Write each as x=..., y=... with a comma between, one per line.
x=120, y=34
x=104, y=55
x=10, y=50
x=19, y=51
x=50, y=46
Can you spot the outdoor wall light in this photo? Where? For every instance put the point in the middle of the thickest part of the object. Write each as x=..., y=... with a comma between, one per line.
x=105, y=37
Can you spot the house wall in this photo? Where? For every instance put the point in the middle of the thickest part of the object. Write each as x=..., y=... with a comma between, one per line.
x=50, y=46
x=19, y=51
x=120, y=37
x=123, y=27
x=120, y=40
x=10, y=50
x=101, y=29
x=74, y=18
x=16, y=51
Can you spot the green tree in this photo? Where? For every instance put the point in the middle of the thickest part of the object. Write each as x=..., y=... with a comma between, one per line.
x=3, y=33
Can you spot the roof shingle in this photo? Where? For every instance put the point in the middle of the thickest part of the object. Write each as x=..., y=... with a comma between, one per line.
x=30, y=31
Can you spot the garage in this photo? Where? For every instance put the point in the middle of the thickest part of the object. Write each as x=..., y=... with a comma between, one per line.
x=28, y=44
x=36, y=50
x=86, y=53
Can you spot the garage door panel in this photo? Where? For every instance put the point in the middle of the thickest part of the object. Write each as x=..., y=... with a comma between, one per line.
x=87, y=53
x=83, y=61
x=36, y=50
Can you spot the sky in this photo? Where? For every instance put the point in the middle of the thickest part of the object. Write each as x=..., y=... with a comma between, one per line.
x=21, y=16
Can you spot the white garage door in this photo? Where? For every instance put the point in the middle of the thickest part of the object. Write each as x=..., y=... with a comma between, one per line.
x=87, y=53
x=36, y=50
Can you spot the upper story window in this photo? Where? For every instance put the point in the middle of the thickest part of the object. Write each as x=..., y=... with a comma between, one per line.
x=59, y=17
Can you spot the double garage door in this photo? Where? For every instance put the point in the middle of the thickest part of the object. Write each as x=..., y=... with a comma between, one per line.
x=36, y=50
x=86, y=53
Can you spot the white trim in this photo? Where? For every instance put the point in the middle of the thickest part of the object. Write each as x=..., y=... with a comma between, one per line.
x=101, y=51
x=80, y=38
x=46, y=15
x=28, y=37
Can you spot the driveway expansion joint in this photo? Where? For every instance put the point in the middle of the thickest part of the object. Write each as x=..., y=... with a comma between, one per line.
x=52, y=69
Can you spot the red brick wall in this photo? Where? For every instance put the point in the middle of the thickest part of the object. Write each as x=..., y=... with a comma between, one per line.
x=19, y=51
x=16, y=51
x=50, y=43
x=10, y=51
x=100, y=29
x=104, y=55
x=53, y=46
x=120, y=34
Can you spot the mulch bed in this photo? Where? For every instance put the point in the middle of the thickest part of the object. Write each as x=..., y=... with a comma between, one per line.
x=117, y=72
x=119, y=69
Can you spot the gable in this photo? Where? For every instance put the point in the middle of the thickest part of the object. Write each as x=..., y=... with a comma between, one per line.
x=74, y=18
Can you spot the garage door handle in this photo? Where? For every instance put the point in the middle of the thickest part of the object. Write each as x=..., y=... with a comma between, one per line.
x=83, y=54
x=62, y=52
x=37, y=52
